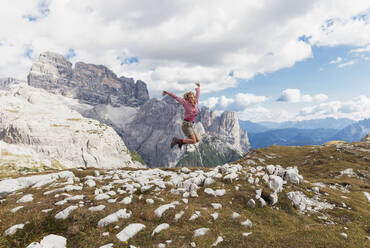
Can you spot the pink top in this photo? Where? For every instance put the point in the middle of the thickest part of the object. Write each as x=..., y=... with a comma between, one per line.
x=191, y=109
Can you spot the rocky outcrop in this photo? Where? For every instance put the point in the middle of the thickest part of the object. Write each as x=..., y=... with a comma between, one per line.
x=5, y=83
x=39, y=129
x=91, y=84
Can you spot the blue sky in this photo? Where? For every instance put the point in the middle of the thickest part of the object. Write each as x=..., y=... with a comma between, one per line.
x=313, y=55
x=314, y=75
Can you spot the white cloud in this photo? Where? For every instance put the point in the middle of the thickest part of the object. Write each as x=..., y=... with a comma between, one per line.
x=320, y=97
x=290, y=95
x=241, y=101
x=358, y=108
x=336, y=61
x=246, y=99
x=361, y=49
x=294, y=96
x=259, y=113
x=210, y=102
x=225, y=102
x=348, y=63
x=179, y=42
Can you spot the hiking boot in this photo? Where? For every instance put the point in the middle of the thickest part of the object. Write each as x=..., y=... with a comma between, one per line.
x=174, y=142
x=179, y=143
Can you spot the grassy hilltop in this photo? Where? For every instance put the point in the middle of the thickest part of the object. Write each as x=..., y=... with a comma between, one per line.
x=278, y=225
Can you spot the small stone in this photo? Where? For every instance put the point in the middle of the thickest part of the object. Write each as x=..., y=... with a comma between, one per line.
x=218, y=240
x=344, y=235
x=214, y=216
x=179, y=215
x=216, y=205
x=247, y=223
x=235, y=215
x=262, y=202
x=200, y=232
x=251, y=203
x=316, y=189
x=246, y=234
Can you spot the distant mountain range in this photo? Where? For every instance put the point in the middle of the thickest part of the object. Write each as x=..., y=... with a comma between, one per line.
x=354, y=132
x=310, y=132
x=310, y=124
x=291, y=137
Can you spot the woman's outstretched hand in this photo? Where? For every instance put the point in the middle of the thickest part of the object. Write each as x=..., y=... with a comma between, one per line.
x=164, y=93
x=197, y=84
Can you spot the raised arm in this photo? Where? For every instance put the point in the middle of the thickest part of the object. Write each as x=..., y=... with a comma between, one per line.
x=197, y=92
x=179, y=99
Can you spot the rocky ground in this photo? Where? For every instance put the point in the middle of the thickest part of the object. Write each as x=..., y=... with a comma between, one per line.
x=312, y=196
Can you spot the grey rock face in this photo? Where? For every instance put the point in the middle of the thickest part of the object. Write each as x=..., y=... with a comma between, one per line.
x=6, y=82
x=149, y=130
x=225, y=127
x=91, y=84
x=38, y=128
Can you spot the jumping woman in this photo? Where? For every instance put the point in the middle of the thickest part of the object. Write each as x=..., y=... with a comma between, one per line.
x=190, y=104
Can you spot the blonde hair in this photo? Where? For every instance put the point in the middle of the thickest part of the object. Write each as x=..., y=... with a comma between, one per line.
x=187, y=95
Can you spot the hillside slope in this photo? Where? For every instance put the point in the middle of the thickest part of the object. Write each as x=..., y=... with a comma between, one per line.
x=314, y=196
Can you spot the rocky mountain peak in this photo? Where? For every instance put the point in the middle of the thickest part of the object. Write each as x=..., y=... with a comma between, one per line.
x=91, y=84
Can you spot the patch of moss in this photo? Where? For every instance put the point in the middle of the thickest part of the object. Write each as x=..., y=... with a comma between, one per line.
x=136, y=157
x=93, y=131
x=58, y=125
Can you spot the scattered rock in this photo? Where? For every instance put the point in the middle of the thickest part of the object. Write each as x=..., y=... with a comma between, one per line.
x=251, y=203
x=26, y=198
x=65, y=213
x=120, y=214
x=50, y=241
x=12, y=230
x=160, y=228
x=130, y=231
x=218, y=240
x=200, y=232
x=247, y=223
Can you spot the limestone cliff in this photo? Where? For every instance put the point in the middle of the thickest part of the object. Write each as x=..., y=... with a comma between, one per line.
x=39, y=129
x=91, y=84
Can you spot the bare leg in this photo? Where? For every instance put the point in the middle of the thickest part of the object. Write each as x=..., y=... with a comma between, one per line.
x=190, y=140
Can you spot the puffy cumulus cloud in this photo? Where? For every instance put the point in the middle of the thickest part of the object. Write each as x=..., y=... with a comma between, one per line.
x=246, y=99
x=320, y=97
x=358, y=108
x=240, y=101
x=210, y=102
x=174, y=44
x=259, y=113
x=294, y=96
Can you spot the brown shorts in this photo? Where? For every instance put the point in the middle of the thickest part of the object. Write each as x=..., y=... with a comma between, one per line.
x=188, y=128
